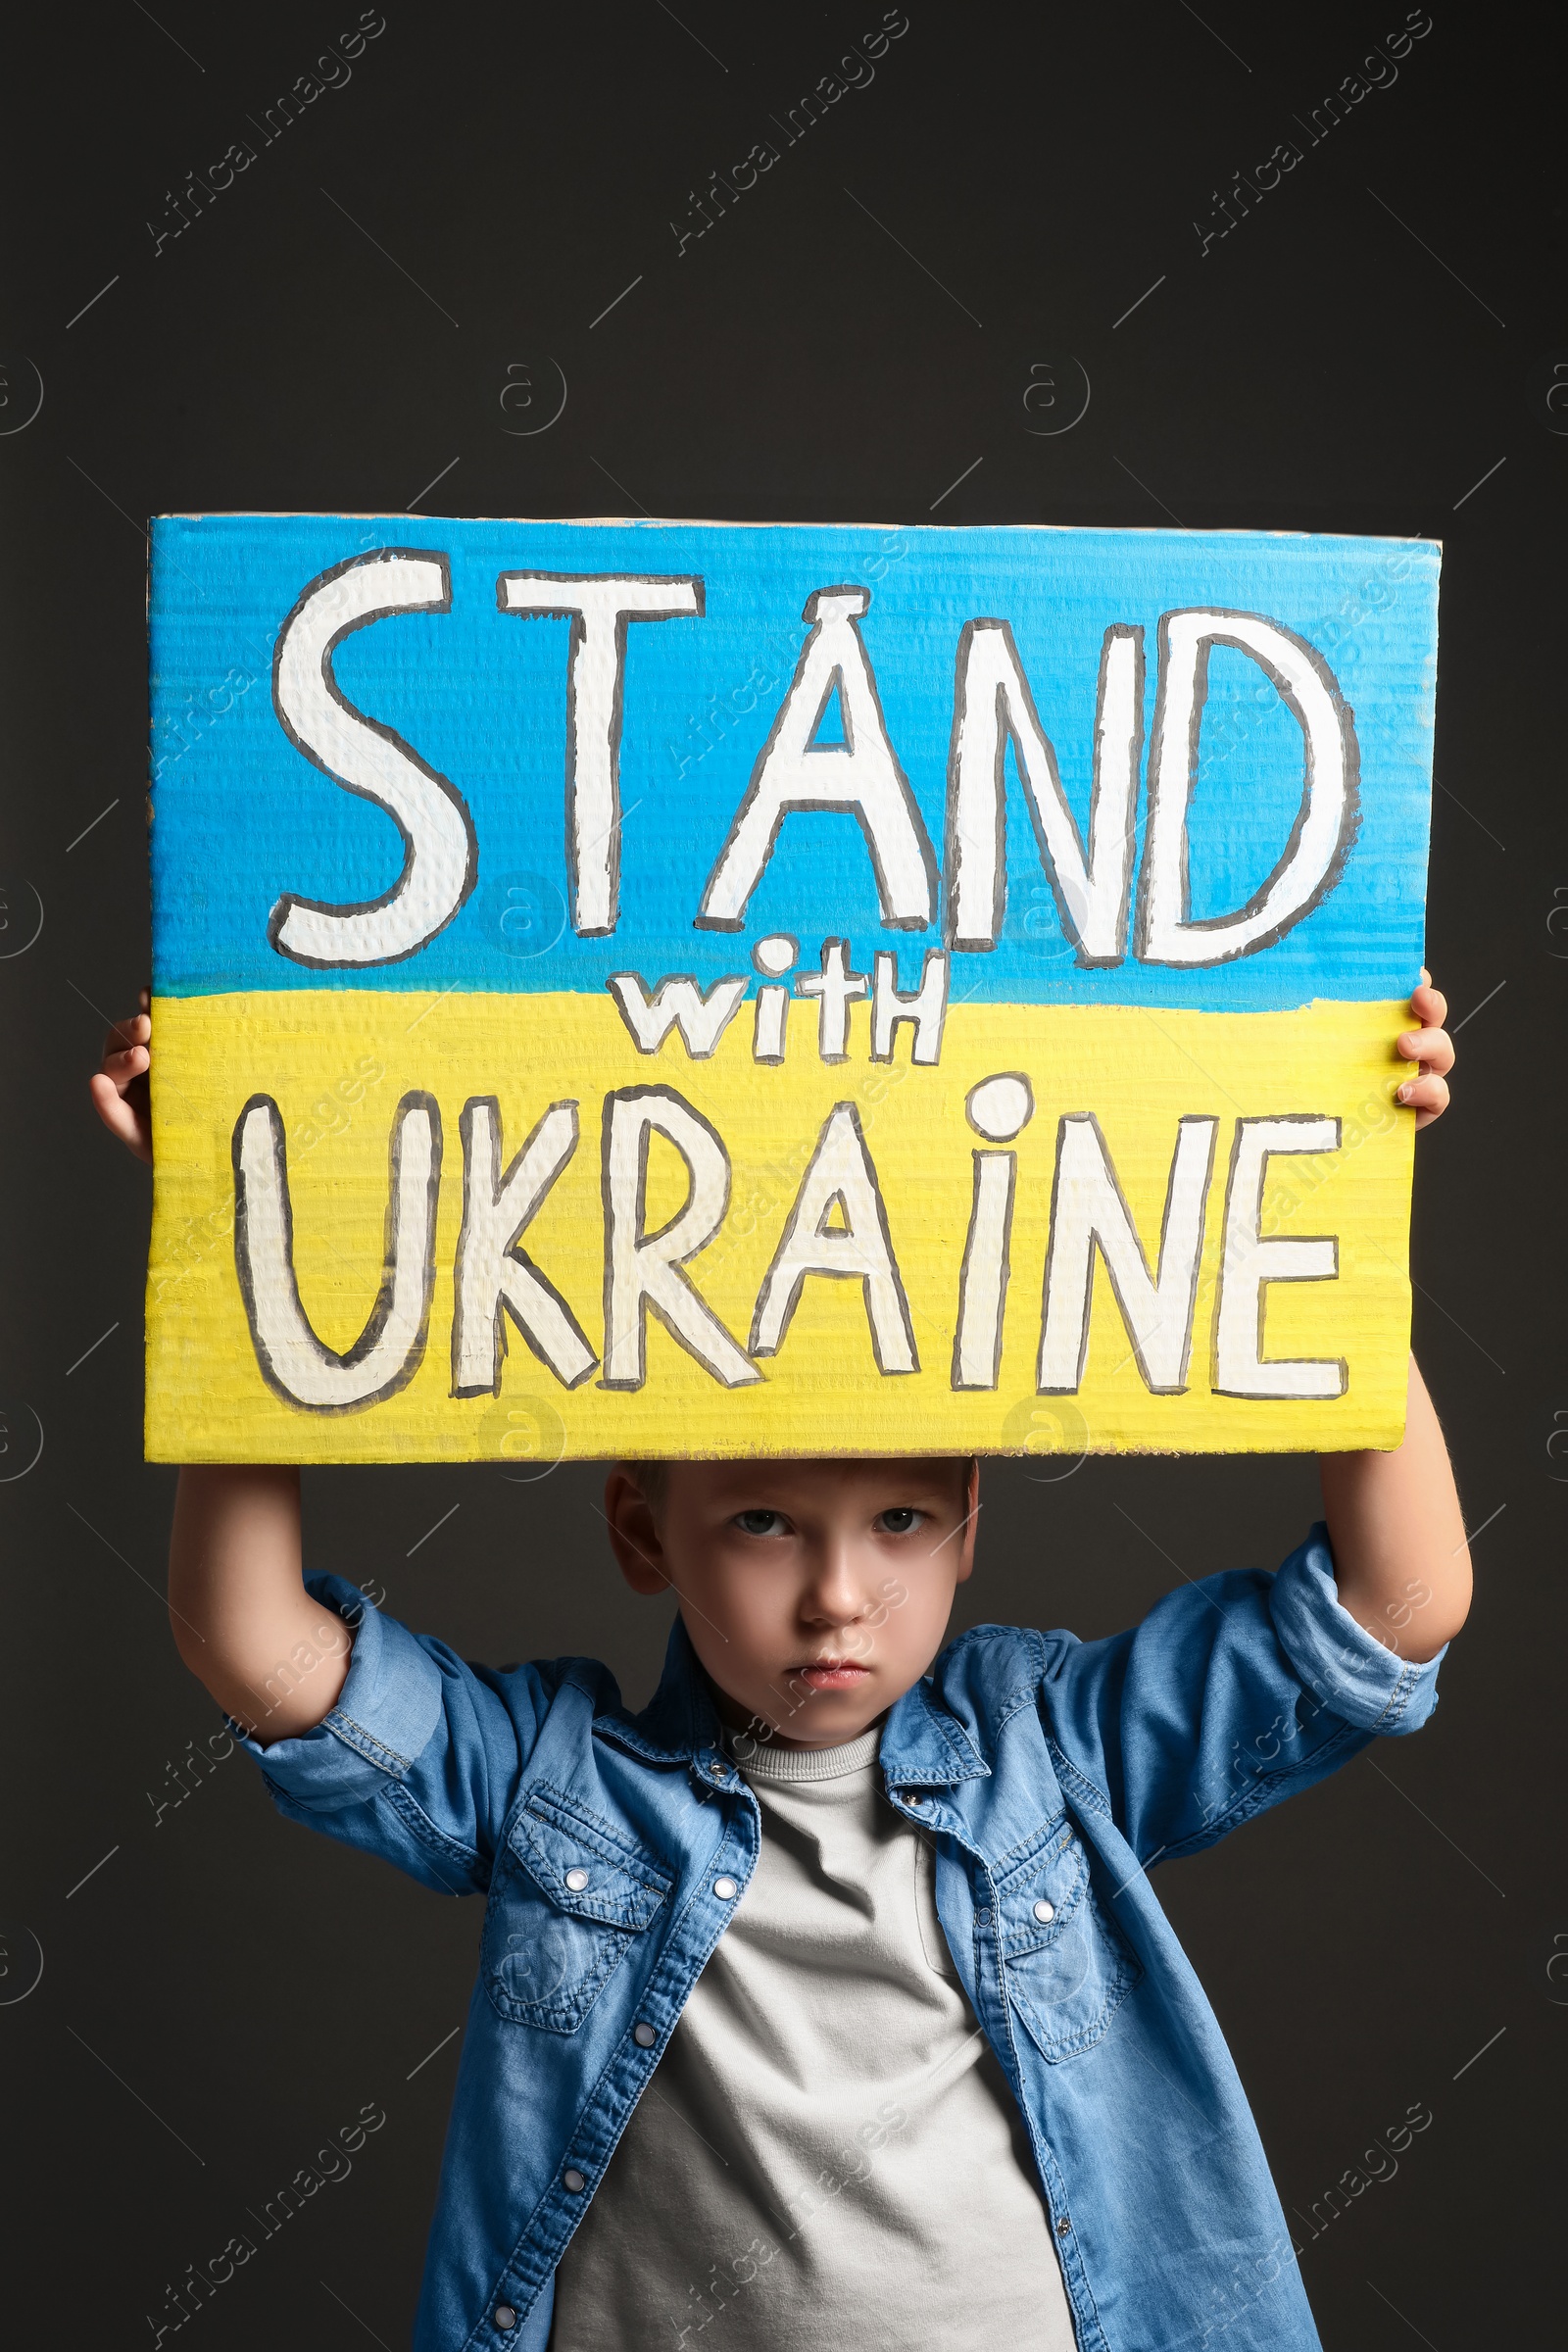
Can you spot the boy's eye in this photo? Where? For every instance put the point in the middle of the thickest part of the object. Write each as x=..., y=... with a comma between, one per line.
x=902, y=1520
x=760, y=1523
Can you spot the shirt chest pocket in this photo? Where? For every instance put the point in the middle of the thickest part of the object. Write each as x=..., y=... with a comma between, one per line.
x=569, y=1899
x=1066, y=1963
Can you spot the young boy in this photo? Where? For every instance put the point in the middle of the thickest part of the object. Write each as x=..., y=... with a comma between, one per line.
x=827, y=1999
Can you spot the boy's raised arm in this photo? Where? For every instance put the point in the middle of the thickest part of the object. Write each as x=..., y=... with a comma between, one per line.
x=1401, y=1560
x=1401, y=1563
x=244, y=1623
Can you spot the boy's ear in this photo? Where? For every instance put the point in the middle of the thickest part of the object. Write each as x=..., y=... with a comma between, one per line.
x=634, y=1536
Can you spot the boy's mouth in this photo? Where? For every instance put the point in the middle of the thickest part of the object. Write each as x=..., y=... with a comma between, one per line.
x=832, y=1674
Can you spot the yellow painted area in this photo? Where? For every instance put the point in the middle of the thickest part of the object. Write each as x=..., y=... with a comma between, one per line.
x=336, y=1062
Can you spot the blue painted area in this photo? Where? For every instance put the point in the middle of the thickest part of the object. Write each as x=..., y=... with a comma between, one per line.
x=241, y=817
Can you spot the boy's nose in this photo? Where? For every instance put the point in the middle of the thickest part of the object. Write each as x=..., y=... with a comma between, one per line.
x=835, y=1594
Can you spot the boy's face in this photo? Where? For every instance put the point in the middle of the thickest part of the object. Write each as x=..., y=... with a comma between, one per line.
x=815, y=1593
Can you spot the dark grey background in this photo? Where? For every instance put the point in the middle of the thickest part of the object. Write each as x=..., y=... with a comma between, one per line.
x=219, y=1990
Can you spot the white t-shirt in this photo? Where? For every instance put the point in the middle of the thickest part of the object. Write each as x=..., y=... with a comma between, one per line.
x=828, y=2158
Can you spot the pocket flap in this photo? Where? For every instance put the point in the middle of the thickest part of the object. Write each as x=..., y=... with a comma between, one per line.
x=1047, y=1872
x=585, y=1867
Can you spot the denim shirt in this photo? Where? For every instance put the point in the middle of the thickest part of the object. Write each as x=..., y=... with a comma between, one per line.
x=611, y=1849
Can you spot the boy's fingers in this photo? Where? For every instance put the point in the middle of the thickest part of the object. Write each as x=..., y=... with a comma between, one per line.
x=1429, y=1004
x=1427, y=1097
x=135, y=1030
x=1433, y=1046
x=122, y=1068
x=119, y=1116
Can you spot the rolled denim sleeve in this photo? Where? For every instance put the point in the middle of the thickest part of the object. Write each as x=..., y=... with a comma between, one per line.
x=1233, y=1692
x=1343, y=1665
x=385, y=1715
x=420, y=1756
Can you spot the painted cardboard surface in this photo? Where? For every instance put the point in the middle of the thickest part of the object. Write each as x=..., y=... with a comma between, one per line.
x=692, y=989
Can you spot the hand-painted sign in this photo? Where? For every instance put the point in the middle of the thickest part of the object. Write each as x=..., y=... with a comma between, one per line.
x=694, y=988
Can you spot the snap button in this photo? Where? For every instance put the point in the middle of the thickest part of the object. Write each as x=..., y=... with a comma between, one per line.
x=573, y=2180
x=504, y=2316
x=726, y=1889
x=1044, y=1912
x=576, y=1880
x=1063, y=2225
x=644, y=2036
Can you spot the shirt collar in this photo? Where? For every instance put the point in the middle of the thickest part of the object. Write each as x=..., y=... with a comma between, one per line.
x=680, y=1722
x=922, y=1745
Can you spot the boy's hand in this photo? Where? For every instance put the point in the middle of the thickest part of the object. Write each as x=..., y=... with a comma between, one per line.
x=120, y=1090
x=1430, y=1046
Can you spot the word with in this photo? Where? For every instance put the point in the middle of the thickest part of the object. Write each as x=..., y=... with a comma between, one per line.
x=1380, y=74
x=495, y=1281
x=331, y=2164
x=702, y=1016
x=210, y=1755
x=328, y=1113
x=1377, y=2163
x=726, y=2283
x=334, y=74
x=198, y=713
x=860, y=776
x=858, y=73
x=855, y=1643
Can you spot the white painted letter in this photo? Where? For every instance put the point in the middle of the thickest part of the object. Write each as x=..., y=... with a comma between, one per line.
x=859, y=1249
x=860, y=775
x=389, y=1350
x=992, y=706
x=1326, y=821
x=440, y=854
x=999, y=1108
x=1088, y=1211
x=600, y=607
x=1249, y=1261
x=643, y=1269
x=925, y=1012
x=678, y=1003
x=493, y=1278
x=836, y=987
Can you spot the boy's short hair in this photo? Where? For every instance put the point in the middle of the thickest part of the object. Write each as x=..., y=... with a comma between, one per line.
x=653, y=1478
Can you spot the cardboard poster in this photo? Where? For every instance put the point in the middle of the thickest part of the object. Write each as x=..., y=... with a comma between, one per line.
x=660, y=989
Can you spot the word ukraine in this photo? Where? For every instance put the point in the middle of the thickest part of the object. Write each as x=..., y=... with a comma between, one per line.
x=1063, y=1147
